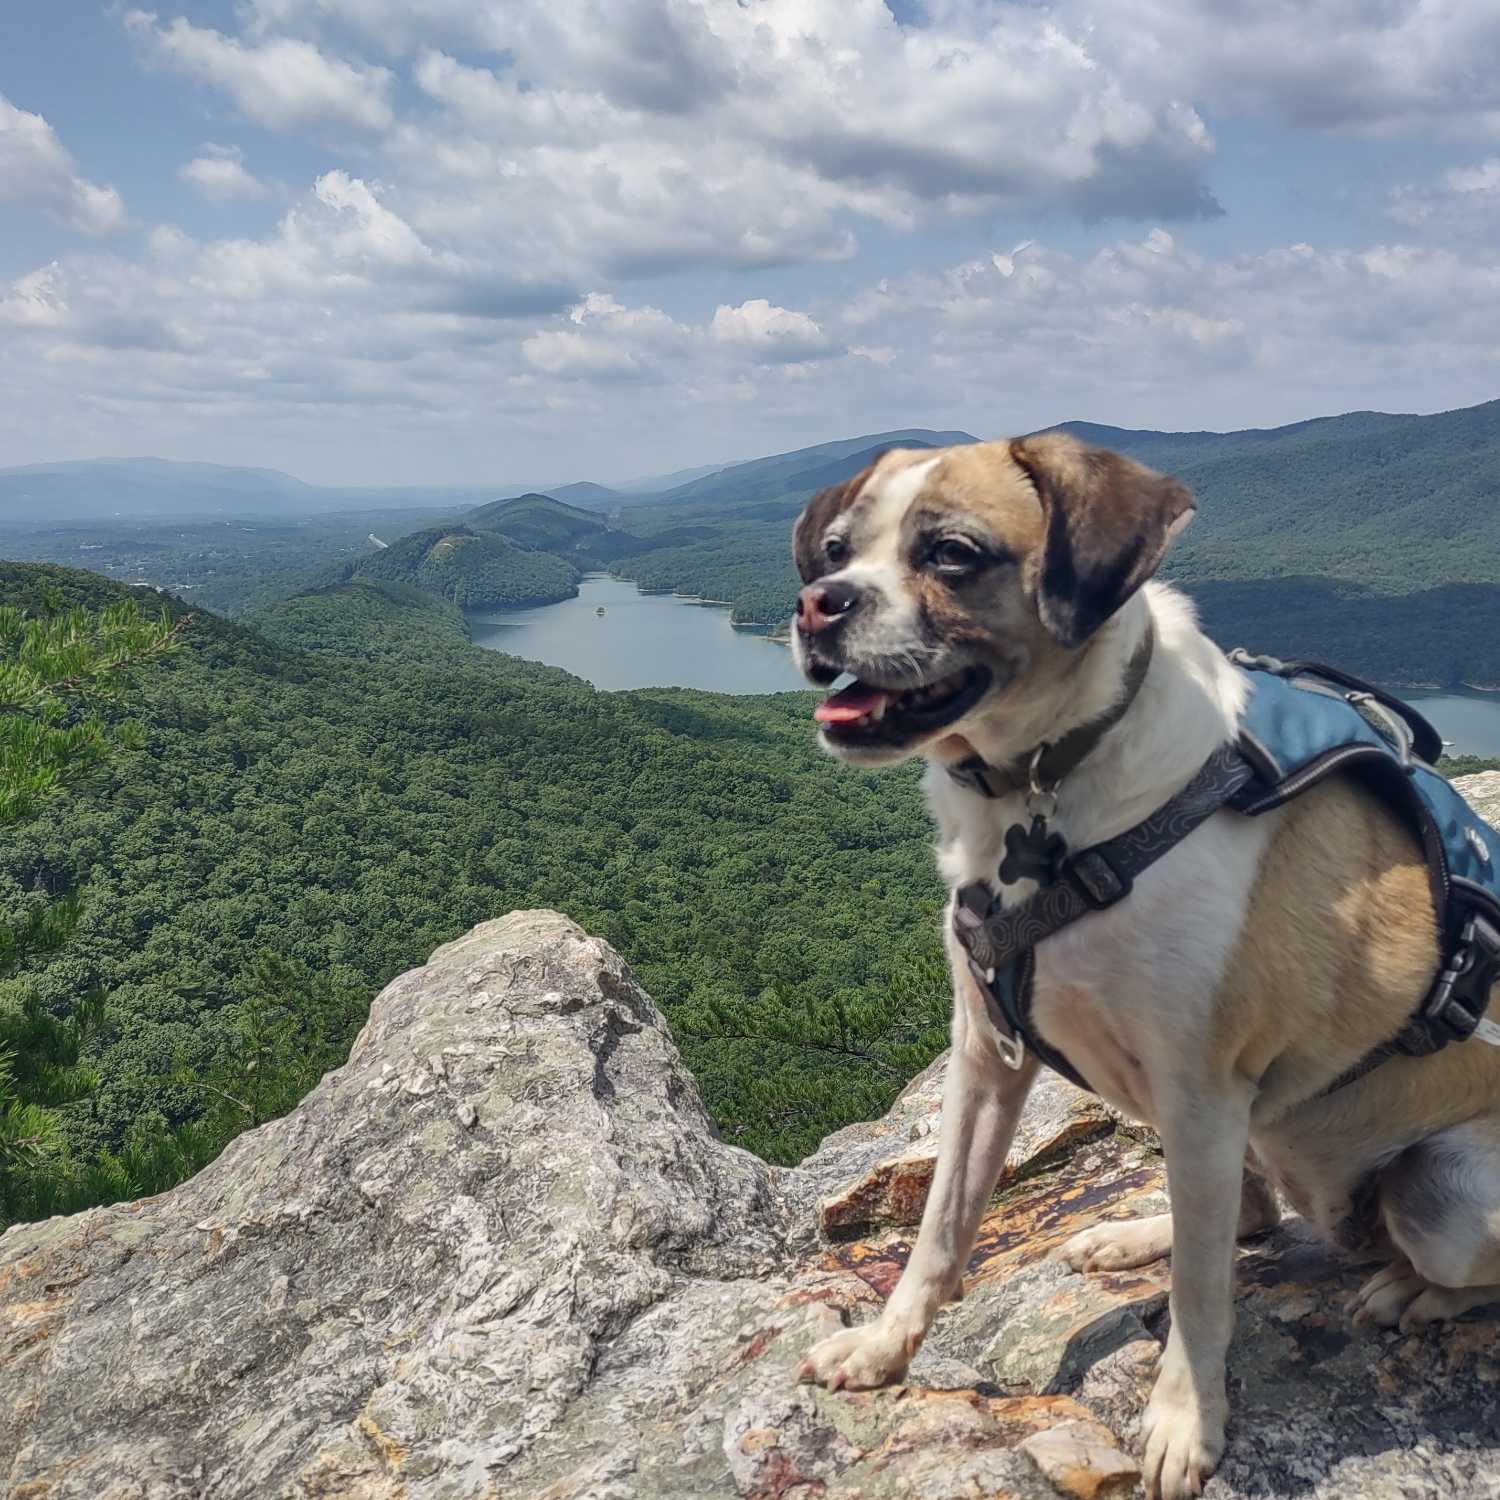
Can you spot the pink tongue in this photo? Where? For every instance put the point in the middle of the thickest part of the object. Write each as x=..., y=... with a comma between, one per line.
x=853, y=703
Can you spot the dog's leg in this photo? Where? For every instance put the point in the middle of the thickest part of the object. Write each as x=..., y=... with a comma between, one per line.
x=982, y=1101
x=1440, y=1200
x=1123, y=1244
x=1205, y=1128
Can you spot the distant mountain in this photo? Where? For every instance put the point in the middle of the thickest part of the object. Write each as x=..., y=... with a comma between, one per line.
x=781, y=474
x=146, y=486
x=537, y=520
x=838, y=469
x=584, y=537
x=585, y=492
x=654, y=484
x=136, y=488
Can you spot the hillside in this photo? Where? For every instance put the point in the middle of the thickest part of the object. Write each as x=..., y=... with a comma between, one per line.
x=583, y=537
x=782, y=474
x=537, y=520
x=324, y=797
x=1393, y=502
x=1369, y=539
x=476, y=569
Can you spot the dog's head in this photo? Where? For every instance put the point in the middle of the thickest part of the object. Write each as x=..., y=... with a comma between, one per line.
x=946, y=582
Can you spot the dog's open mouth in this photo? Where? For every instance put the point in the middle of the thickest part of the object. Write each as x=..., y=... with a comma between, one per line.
x=864, y=713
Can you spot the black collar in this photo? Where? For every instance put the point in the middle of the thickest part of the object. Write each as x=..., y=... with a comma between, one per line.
x=1045, y=766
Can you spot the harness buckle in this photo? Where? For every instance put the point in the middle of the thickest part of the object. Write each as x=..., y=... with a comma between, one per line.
x=1012, y=1046
x=1101, y=884
x=1461, y=995
x=1012, y=1051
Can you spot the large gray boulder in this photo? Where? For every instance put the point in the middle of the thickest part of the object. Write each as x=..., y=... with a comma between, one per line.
x=503, y=1253
x=1483, y=792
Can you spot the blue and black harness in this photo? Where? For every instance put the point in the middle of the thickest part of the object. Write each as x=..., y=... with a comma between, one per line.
x=1302, y=723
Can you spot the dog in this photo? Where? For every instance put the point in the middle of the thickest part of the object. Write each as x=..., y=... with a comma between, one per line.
x=988, y=599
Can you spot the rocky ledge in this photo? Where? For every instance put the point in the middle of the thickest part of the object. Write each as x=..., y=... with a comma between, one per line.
x=502, y=1253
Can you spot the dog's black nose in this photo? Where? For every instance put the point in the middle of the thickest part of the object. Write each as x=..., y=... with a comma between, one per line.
x=821, y=605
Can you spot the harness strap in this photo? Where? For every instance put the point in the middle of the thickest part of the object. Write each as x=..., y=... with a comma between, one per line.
x=1000, y=940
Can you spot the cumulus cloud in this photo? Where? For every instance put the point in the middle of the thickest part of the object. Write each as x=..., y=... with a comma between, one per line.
x=1340, y=64
x=332, y=327
x=35, y=300
x=497, y=159
x=1148, y=331
x=220, y=174
x=281, y=83
x=37, y=171
x=774, y=334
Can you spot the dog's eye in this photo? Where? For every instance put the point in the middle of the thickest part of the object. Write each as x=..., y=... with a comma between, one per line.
x=836, y=550
x=956, y=555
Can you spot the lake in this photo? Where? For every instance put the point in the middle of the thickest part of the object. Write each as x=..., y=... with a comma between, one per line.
x=1470, y=720
x=661, y=640
x=641, y=640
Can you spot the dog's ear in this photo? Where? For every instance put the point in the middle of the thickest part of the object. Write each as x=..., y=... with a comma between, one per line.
x=807, y=534
x=1108, y=521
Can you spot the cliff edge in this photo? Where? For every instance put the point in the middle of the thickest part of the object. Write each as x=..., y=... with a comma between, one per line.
x=502, y=1253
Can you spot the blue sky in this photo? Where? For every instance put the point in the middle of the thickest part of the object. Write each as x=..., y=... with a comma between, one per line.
x=508, y=240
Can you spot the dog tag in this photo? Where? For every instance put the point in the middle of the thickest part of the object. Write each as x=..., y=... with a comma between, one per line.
x=1487, y=1031
x=1032, y=854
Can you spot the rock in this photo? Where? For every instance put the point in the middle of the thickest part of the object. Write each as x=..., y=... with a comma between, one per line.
x=503, y=1253
x=1080, y=1458
x=893, y=1188
x=1483, y=794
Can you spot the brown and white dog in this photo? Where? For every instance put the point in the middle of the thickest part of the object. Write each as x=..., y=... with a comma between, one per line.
x=988, y=599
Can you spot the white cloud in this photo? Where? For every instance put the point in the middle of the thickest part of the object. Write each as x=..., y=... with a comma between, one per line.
x=36, y=170
x=1150, y=332
x=1483, y=179
x=560, y=352
x=1336, y=65
x=425, y=296
x=774, y=334
x=220, y=174
x=282, y=83
x=1463, y=203
x=35, y=300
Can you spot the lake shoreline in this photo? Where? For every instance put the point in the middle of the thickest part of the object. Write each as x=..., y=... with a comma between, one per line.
x=619, y=637
x=644, y=644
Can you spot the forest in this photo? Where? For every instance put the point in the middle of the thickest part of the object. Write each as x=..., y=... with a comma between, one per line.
x=317, y=798
x=476, y=569
x=301, y=802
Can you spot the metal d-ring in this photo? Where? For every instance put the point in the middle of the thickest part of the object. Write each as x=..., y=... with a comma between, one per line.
x=1041, y=797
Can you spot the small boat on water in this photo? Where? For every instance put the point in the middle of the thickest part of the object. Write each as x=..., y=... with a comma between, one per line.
x=600, y=610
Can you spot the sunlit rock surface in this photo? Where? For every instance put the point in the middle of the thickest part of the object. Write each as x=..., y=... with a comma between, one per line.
x=502, y=1253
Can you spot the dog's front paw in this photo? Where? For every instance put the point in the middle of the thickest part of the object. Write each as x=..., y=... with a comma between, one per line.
x=859, y=1359
x=1118, y=1244
x=1183, y=1445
